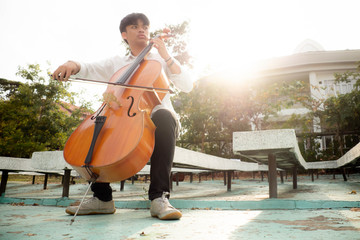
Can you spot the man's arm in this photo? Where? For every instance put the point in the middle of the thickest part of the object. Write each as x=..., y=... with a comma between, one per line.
x=173, y=66
x=64, y=71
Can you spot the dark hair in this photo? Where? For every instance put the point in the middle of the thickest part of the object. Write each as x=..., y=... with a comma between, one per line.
x=132, y=19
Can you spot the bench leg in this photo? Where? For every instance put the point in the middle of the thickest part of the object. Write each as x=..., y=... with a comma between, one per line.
x=33, y=180
x=4, y=179
x=344, y=174
x=191, y=177
x=282, y=176
x=312, y=175
x=229, y=173
x=132, y=180
x=224, y=178
x=46, y=180
x=295, y=177
x=272, y=176
x=66, y=184
x=122, y=184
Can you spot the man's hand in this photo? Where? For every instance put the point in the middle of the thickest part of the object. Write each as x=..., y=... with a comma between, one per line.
x=160, y=46
x=63, y=72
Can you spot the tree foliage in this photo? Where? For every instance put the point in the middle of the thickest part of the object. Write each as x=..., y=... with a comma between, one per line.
x=31, y=116
x=177, y=44
x=215, y=109
x=336, y=114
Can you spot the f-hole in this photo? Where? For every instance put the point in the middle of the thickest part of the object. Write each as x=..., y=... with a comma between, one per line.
x=132, y=102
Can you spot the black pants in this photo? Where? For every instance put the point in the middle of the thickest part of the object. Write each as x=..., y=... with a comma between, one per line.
x=161, y=159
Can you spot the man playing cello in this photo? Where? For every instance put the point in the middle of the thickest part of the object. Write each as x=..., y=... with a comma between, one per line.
x=134, y=30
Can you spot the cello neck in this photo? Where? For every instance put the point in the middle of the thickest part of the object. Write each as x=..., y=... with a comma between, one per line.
x=129, y=72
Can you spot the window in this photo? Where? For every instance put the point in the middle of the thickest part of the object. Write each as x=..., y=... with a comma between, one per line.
x=340, y=88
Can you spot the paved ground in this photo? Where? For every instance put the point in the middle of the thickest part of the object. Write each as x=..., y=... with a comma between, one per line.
x=325, y=209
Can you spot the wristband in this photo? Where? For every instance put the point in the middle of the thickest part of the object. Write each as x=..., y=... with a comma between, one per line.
x=167, y=59
x=172, y=62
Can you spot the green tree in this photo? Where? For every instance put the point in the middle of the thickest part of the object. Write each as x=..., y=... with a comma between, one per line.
x=342, y=111
x=177, y=44
x=31, y=116
x=336, y=114
x=215, y=109
x=199, y=113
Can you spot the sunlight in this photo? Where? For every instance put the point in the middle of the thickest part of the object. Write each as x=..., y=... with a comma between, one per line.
x=231, y=223
x=231, y=36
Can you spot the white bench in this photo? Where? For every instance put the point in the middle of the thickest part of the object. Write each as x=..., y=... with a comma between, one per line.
x=185, y=158
x=350, y=156
x=279, y=148
x=174, y=171
x=184, y=161
x=188, y=161
x=50, y=162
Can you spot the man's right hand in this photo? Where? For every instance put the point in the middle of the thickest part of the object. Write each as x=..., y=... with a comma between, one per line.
x=63, y=72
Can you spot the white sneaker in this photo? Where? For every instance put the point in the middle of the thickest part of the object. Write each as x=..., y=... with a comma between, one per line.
x=93, y=206
x=162, y=209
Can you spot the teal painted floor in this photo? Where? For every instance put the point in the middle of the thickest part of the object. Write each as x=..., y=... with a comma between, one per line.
x=42, y=222
x=325, y=209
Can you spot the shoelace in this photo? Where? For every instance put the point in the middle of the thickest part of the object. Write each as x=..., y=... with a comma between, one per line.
x=166, y=200
x=88, y=200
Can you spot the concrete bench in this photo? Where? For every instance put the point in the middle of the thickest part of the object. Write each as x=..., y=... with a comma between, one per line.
x=50, y=162
x=185, y=158
x=349, y=157
x=184, y=161
x=174, y=171
x=54, y=162
x=279, y=148
x=195, y=162
x=10, y=164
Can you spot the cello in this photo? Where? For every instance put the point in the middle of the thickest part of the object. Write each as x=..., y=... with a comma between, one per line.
x=117, y=141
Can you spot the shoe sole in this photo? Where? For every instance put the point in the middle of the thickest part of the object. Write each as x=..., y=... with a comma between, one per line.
x=89, y=213
x=170, y=216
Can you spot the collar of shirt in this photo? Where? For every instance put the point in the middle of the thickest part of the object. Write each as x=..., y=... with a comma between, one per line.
x=130, y=57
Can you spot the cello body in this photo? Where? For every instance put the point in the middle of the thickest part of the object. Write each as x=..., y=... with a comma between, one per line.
x=127, y=138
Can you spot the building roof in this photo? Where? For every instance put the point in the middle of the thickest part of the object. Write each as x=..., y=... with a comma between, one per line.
x=308, y=45
x=309, y=57
x=299, y=65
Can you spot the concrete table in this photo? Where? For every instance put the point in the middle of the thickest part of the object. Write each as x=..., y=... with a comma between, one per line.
x=276, y=148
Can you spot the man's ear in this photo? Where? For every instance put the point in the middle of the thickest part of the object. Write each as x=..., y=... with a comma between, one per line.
x=124, y=35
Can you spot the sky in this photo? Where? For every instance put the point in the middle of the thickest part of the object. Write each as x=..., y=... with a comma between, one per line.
x=224, y=34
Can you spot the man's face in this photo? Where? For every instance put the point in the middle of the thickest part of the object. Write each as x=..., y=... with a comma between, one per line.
x=137, y=33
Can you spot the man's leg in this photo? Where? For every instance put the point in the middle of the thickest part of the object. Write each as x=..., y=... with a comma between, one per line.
x=161, y=163
x=102, y=191
x=162, y=157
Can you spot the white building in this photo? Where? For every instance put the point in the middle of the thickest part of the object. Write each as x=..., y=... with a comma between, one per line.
x=312, y=64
